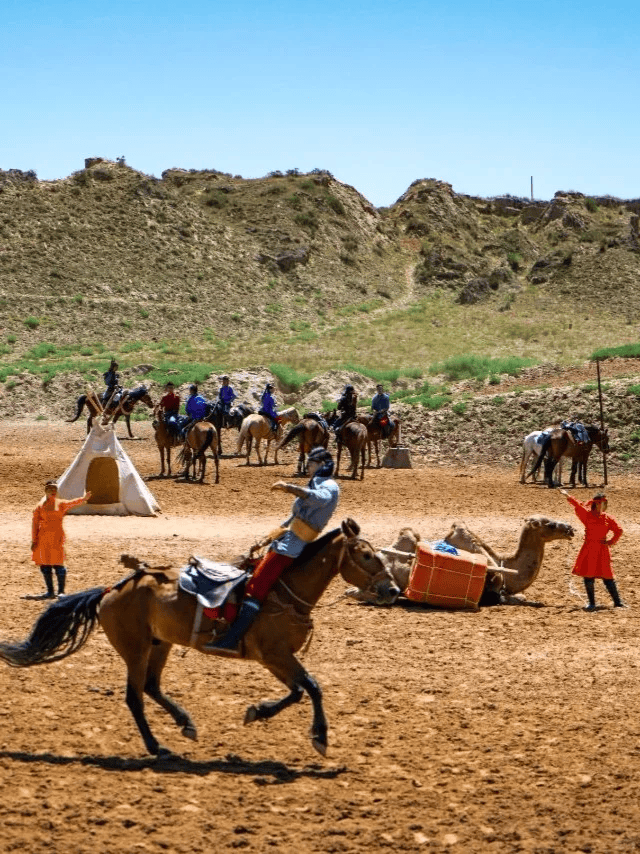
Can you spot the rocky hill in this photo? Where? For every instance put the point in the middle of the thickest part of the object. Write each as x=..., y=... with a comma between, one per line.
x=111, y=254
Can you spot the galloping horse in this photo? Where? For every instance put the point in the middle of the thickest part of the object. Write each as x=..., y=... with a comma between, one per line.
x=233, y=418
x=353, y=435
x=199, y=438
x=310, y=434
x=123, y=406
x=374, y=435
x=165, y=440
x=560, y=443
x=146, y=613
x=258, y=427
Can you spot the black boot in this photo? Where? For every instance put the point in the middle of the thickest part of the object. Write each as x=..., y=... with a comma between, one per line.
x=229, y=641
x=612, y=589
x=589, y=586
x=61, y=574
x=47, y=574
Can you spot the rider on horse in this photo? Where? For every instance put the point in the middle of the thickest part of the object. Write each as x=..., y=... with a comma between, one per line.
x=226, y=396
x=196, y=408
x=380, y=407
x=268, y=406
x=346, y=406
x=311, y=511
x=170, y=407
x=112, y=382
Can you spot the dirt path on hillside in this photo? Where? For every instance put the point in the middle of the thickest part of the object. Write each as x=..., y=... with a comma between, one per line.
x=507, y=730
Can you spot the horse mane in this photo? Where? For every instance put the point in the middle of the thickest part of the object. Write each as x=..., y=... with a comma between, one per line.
x=312, y=549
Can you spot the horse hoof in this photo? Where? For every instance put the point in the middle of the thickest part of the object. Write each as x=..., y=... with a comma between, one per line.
x=320, y=746
x=250, y=715
x=163, y=752
x=189, y=731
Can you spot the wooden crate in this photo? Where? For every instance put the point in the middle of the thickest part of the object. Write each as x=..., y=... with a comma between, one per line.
x=445, y=580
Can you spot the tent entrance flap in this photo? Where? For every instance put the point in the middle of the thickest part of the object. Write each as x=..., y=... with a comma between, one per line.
x=103, y=481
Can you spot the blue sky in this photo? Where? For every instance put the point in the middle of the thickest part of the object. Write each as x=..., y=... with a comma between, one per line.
x=482, y=94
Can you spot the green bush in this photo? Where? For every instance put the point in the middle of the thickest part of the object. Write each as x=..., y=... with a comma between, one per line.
x=32, y=322
x=467, y=367
x=591, y=205
x=288, y=377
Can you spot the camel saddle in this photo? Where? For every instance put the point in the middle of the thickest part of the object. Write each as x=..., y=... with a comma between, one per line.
x=211, y=582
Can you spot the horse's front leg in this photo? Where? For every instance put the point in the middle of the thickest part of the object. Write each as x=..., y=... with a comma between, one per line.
x=127, y=419
x=89, y=423
x=161, y=449
x=376, y=445
x=157, y=661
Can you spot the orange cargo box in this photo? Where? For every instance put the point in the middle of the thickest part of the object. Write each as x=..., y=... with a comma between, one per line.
x=446, y=580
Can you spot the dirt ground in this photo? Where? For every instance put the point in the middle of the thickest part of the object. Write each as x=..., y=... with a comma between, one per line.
x=511, y=729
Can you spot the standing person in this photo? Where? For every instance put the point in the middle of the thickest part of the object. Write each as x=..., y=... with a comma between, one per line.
x=47, y=536
x=380, y=407
x=170, y=407
x=311, y=511
x=226, y=395
x=112, y=381
x=594, y=560
x=268, y=406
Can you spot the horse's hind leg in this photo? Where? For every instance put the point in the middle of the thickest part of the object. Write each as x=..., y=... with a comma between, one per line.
x=157, y=660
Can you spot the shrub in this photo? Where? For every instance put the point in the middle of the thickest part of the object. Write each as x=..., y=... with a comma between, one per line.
x=307, y=220
x=32, y=322
x=459, y=408
x=78, y=299
x=591, y=205
x=335, y=204
x=11, y=339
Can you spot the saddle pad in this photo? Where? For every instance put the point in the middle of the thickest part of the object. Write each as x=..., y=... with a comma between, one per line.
x=210, y=582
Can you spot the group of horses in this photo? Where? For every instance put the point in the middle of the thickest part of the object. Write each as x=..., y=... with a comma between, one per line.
x=548, y=447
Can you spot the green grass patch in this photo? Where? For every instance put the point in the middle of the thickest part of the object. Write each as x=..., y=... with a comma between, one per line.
x=459, y=408
x=628, y=351
x=32, y=322
x=467, y=367
x=289, y=377
x=633, y=389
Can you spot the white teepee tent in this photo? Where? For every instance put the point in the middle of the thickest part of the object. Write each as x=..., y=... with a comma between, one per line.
x=103, y=469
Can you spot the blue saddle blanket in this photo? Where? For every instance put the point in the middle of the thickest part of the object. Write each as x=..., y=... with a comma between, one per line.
x=210, y=582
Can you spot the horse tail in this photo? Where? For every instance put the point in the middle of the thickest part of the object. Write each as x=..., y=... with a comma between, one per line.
x=60, y=631
x=543, y=452
x=207, y=442
x=299, y=428
x=79, y=407
x=242, y=438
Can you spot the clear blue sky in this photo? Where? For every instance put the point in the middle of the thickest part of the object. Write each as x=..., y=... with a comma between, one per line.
x=481, y=94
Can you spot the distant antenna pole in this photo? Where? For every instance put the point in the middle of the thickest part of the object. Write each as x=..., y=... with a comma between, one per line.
x=604, y=456
x=532, y=188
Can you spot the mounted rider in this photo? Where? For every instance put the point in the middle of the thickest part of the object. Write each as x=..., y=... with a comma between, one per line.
x=226, y=396
x=268, y=406
x=380, y=411
x=112, y=381
x=310, y=513
x=196, y=408
x=346, y=406
x=169, y=406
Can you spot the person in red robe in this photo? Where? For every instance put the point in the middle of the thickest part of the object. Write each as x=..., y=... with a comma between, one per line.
x=594, y=560
x=47, y=536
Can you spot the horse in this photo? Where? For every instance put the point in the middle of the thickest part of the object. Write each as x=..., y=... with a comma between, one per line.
x=199, y=438
x=165, y=440
x=123, y=405
x=560, y=443
x=147, y=612
x=258, y=427
x=374, y=435
x=310, y=434
x=234, y=418
x=353, y=435
x=532, y=447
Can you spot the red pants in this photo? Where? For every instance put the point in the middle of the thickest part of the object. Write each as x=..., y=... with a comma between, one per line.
x=266, y=574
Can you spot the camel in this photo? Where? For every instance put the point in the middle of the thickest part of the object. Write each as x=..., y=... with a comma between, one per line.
x=258, y=427
x=374, y=436
x=524, y=565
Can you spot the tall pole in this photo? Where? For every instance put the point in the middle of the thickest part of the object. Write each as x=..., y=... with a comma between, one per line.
x=532, y=188
x=604, y=456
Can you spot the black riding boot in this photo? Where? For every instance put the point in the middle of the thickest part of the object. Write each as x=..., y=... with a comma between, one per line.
x=589, y=586
x=248, y=612
x=47, y=574
x=612, y=589
x=61, y=574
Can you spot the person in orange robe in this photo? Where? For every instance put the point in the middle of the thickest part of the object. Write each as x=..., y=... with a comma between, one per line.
x=47, y=536
x=594, y=560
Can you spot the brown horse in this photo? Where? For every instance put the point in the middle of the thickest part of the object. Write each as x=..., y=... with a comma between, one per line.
x=374, y=435
x=165, y=440
x=560, y=443
x=353, y=436
x=123, y=406
x=200, y=437
x=258, y=427
x=146, y=613
x=310, y=434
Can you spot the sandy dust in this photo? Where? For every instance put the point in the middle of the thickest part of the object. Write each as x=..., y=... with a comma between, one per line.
x=507, y=730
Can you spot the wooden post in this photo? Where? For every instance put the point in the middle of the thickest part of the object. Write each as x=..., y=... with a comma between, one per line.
x=532, y=188
x=604, y=456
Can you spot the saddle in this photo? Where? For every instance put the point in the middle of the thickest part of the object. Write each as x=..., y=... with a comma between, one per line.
x=315, y=416
x=213, y=584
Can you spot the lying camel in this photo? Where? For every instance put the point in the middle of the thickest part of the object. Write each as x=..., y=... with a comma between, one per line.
x=522, y=567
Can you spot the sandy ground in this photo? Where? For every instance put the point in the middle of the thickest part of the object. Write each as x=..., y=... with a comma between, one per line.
x=512, y=729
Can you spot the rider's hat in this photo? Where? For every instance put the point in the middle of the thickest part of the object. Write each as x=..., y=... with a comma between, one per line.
x=225, y=377
x=193, y=388
x=166, y=385
x=269, y=386
x=319, y=455
x=348, y=388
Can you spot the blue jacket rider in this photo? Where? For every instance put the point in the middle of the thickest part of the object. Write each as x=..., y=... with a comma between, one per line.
x=268, y=406
x=380, y=405
x=196, y=406
x=226, y=395
x=311, y=511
